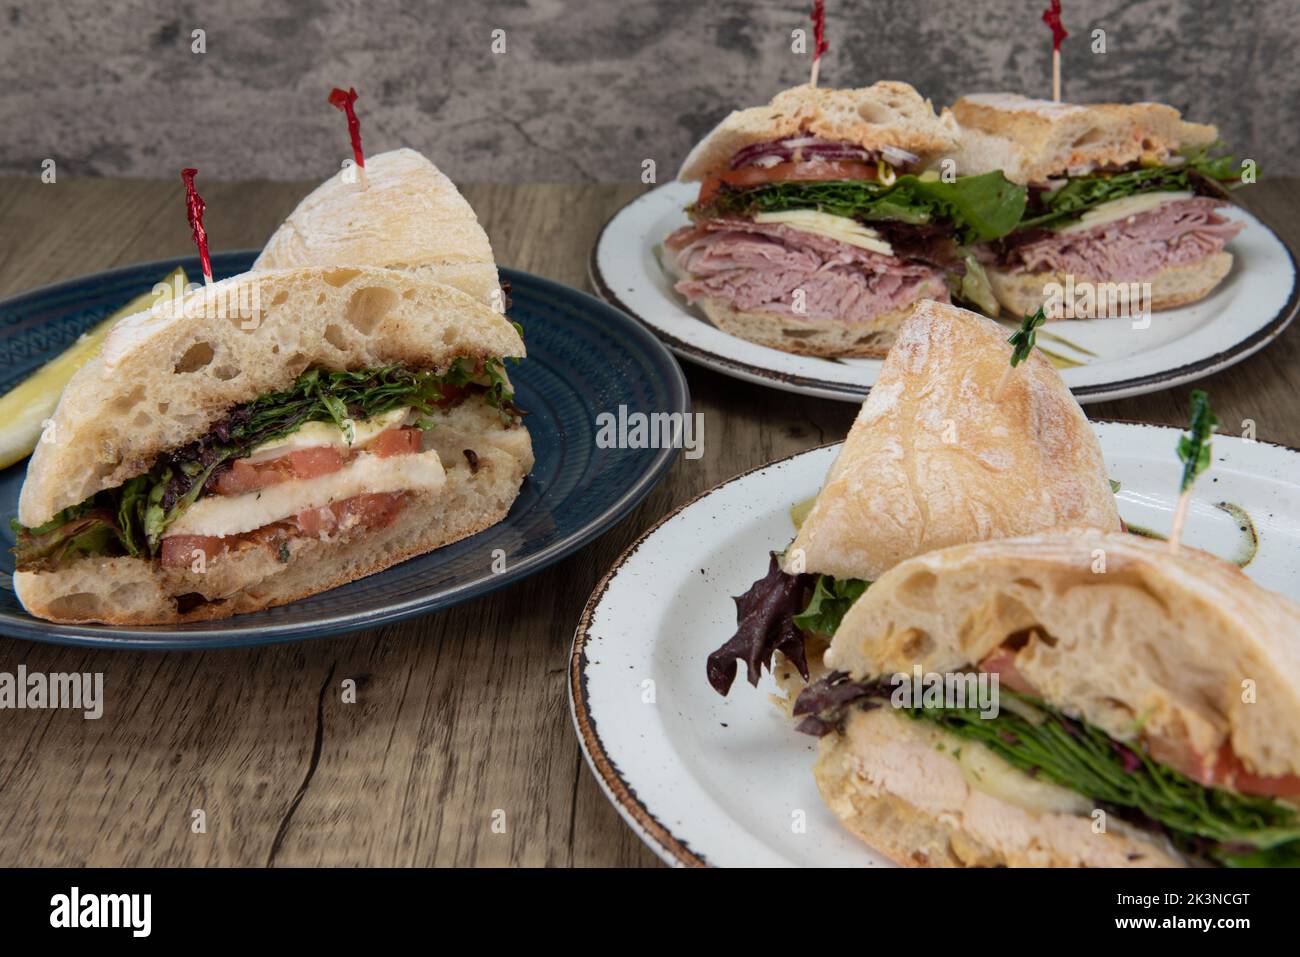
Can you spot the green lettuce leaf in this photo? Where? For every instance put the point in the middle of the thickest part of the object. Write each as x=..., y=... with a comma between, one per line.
x=831, y=600
x=980, y=207
x=1082, y=193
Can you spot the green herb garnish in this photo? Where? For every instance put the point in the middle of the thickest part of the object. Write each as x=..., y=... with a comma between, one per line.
x=1023, y=339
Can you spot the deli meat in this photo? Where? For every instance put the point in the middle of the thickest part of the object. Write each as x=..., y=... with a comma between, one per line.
x=758, y=267
x=1176, y=234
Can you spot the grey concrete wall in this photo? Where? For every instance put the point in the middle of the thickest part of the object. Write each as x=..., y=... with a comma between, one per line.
x=584, y=90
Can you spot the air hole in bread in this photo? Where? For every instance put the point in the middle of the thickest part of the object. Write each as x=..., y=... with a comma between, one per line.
x=919, y=587
x=409, y=294
x=335, y=337
x=163, y=407
x=280, y=299
x=141, y=419
x=876, y=113
x=1024, y=636
x=1090, y=136
x=225, y=373
x=368, y=306
x=126, y=403
x=340, y=277
x=192, y=601
x=296, y=364
x=275, y=348
x=320, y=300
x=196, y=357
x=78, y=605
x=916, y=644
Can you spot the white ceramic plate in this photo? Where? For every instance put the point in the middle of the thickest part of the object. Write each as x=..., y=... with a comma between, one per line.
x=1252, y=306
x=704, y=779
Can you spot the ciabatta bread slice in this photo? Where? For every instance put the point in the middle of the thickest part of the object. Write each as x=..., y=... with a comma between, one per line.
x=166, y=376
x=1021, y=293
x=1108, y=627
x=887, y=113
x=935, y=459
x=408, y=216
x=1033, y=141
x=830, y=338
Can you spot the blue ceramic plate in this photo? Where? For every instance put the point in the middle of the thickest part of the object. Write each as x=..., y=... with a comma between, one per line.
x=584, y=358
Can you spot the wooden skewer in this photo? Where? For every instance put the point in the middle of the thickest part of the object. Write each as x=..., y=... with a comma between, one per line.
x=1056, y=76
x=1180, y=516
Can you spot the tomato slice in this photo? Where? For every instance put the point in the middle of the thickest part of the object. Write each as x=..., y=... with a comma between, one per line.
x=244, y=476
x=392, y=442
x=181, y=550
x=783, y=173
x=375, y=510
x=1227, y=771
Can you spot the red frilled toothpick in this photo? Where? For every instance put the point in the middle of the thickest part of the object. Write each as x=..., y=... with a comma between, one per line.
x=345, y=100
x=1052, y=17
x=194, y=209
x=820, y=45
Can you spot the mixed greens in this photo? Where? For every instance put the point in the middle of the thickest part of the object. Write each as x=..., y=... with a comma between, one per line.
x=1198, y=172
x=831, y=600
x=131, y=518
x=980, y=207
x=1042, y=741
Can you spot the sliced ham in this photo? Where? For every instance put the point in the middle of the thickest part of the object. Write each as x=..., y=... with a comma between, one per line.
x=1176, y=234
x=757, y=267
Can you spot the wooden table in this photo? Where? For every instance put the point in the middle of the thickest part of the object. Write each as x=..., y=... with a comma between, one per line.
x=460, y=714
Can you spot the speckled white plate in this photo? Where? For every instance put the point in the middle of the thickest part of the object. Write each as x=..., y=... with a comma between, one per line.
x=704, y=779
x=1253, y=305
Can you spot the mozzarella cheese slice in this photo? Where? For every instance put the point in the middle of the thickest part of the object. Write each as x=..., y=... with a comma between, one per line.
x=1123, y=209
x=839, y=228
x=222, y=515
x=314, y=435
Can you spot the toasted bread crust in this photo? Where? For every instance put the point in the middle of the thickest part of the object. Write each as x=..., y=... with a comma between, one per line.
x=883, y=114
x=828, y=338
x=407, y=216
x=1021, y=293
x=934, y=458
x=1033, y=141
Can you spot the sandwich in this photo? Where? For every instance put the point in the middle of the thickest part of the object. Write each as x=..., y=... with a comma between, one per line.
x=408, y=216
x=1145, y=709
x=933, y=460
x=819, y=220
x=1118, y=194
x=266, y=438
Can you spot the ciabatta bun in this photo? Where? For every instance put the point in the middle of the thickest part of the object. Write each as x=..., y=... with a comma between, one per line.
x=132, y=591
x=897, y=784
x=1021, y=293
x=167, y=375
x=883, y=114
x=1033, y=141
x=407, y=216
x=808, y=337
x=934, y=459
x=1111, y=627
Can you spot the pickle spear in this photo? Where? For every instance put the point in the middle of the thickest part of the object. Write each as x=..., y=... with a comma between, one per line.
x=24, y=409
